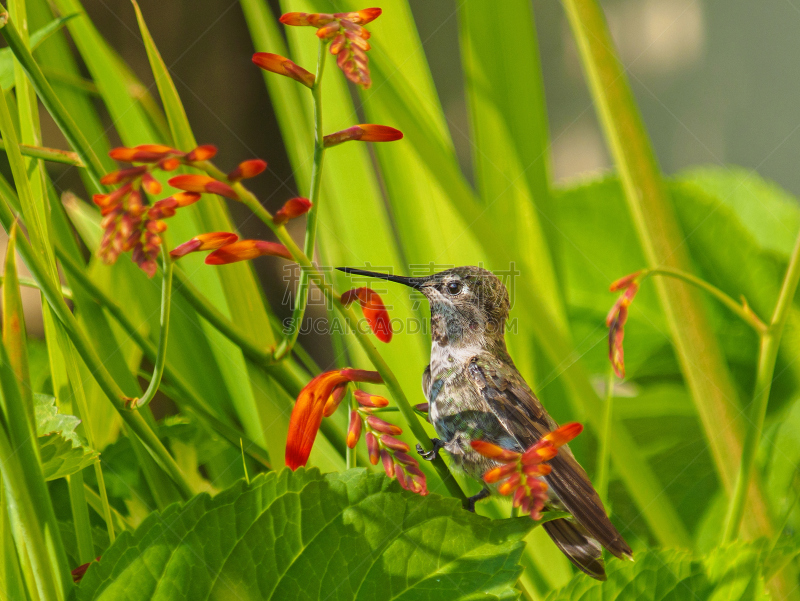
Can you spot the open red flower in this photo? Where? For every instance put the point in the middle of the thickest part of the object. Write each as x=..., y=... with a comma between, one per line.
x=615, y=321
x=308, y=410
x=275, y=63
x=366, y=132
x=244, y=250
x=374, y=311
x=520, y=474
x=210, y=241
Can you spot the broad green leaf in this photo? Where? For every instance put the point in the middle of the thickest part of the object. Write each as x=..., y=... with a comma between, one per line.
x=62, y=450
x=733, y=573
x=303, y=535
x=39, y=36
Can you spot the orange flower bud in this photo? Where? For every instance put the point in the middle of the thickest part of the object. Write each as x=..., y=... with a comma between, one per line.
x=388, y=463
x=366, y=399
x=202, y=183
x=333, y=402
x=169, y=164
x=201, y=153
x=390, y=442
x=150, y=184
x=123, y=175
x=492, y=451
x=361, y=17
x=498, y=473
x=326, y=32
x=144, y=153
x=564, y=434
x=294, y=207
x=354, y=431
x=244, y=250
x=312, y=19
x=625, y=281
x=275, y=63
x=367, y=132
x=372, y=448
x=208, y=241
x=379, y=425
x=247, y=169
x=539, y=452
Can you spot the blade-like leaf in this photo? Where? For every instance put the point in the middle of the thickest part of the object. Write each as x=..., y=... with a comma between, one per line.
x=301, y=535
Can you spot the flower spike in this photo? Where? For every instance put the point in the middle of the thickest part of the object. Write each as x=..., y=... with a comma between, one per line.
x=365, y=133
x=210, y=241
x=275, y=63
x=307, y=413
x=294, y=207
x=244, y=250
x=374, y=311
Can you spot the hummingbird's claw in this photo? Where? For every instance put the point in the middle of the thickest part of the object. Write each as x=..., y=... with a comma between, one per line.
x=433, y=453
x=485, y=492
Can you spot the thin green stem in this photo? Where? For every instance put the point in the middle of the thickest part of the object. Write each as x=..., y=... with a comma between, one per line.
x=301, y=298
x=66, y=292
x=53, y=155
x=604, y=454
x=768, y=354
x=741, y=310
x=95, y=501
x=163, y=334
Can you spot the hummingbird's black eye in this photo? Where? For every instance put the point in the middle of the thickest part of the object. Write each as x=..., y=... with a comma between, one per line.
x=454, y=287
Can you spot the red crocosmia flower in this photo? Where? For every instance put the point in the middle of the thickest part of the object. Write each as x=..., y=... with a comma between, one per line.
x=247, y=169
x=144, y=153
x=307, y=413
x=210, y=241
x=203, y=183
x=348, y=38
x=294, y=207
x=123, y=175
x=520, y=474
x=366, y=132
x=244, y=250
x=275, y=63
x=616, y=320
x=201, y=153
x=374, y=311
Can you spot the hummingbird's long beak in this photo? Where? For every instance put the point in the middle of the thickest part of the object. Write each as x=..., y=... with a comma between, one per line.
x=415, y=283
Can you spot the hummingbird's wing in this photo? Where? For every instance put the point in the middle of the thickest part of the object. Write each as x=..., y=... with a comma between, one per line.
x=524, y=417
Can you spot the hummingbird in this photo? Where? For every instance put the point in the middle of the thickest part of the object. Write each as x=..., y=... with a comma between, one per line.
x=475, y=392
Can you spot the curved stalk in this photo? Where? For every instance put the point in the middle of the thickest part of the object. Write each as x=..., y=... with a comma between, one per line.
x=768, y=354
x=743, y=311
x=163, y=334
x=604, y=455
x=54, y=155
x=301, y=298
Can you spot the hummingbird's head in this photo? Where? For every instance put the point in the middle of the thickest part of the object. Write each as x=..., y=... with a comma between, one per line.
x=469, y=305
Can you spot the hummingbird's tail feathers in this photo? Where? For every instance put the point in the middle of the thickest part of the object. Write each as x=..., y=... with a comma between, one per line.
x=571, y=485
x=581, y=549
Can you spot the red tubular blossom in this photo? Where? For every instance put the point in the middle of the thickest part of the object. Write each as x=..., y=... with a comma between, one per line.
x=366, y=399
x=208, y=241
x=354, y=431
x=203, y=183
x=294, y=207
x=391, y=442
x=247, y=169
x=150, y=184
x=244, y=250
x=372, y=448
x=538, y=453
x=562, y=435
x=366, y=132
x=625, y=281
x=374, y=311
x=388, y=463
x=379, y=425
x=144, y=153
x=498, y=473
x=275, y=63
x=123, y=175
x=492, y=451
x=201, y=153
x=616, y=322
x=333, y=402
x=307, y=413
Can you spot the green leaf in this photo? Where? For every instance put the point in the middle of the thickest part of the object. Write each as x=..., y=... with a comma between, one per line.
x=732, y=573
x=304, y=535
x=62, y=450
x=39, y=36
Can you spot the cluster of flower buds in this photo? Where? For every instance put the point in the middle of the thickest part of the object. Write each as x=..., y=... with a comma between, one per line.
x=615, y=321
x=348, y=39
x=320, y=397
x=374, y=311
x=131, y=223
x=382, y=444
x=520, y=474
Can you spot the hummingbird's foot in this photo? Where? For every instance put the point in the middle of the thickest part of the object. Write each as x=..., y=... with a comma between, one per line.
x=433, y=453
x=475, y=498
